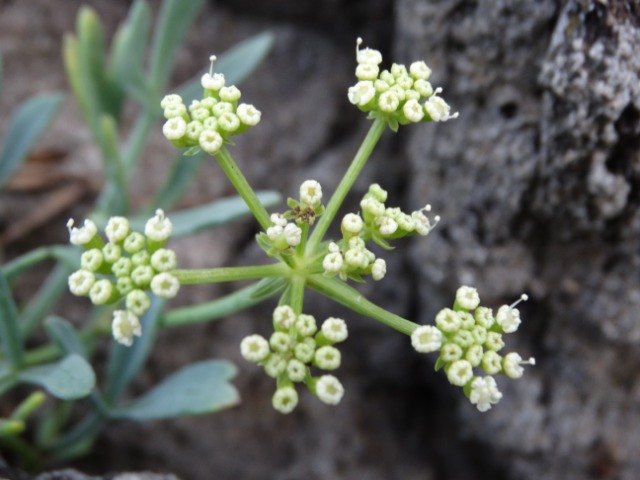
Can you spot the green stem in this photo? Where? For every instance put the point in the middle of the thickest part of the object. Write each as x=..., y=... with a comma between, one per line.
x=351, y=298
x=229, y=274
x=358, y=162
x=296, y=293
x=219, y=308
x=240, y=183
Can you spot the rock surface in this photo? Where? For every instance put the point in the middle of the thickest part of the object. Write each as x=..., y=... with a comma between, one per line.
x=537, y=183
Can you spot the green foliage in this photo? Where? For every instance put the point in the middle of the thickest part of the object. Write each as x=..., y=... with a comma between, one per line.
x=104, y=76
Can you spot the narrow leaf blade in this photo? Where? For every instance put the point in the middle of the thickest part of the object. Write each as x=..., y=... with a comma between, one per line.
x=197, y=389
x=25, y=126
x=9, y=326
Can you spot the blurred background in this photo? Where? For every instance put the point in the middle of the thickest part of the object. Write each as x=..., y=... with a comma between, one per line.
x=537, y=184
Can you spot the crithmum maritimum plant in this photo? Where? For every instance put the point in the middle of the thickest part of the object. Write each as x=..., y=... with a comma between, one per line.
x=128, y=267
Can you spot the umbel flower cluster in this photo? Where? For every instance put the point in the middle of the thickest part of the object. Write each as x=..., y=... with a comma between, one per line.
x=470, y=336
x=125, y=267
x=350, y=258
x=295, y=347
x=402, y=95
x=209, y=122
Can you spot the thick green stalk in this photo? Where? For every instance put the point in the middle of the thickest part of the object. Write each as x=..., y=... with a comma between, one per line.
x=229, y=274
x=296, y=293
x=351, y=298
x=358, y=162
x=240, y=183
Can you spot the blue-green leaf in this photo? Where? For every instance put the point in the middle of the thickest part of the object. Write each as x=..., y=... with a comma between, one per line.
x=125, y=362
x=68, y=379
x=213, y=214
x=236, y=64
x=196, y=389
x=64, y=335
x=128, y=51
x=9, y=326
x=25, y=126
x=182, y=172
x=173, y=22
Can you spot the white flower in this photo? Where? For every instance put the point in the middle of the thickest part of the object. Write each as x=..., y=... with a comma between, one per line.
x=142, y=275
x=460, y=372
x=484, y=393
x=80, y=282
x=229, y=94
x=82, y=235
x=274, y=365
x=371, y=206
x=280, y=342
x=306, y=325
x=484, y=317
x=389, y=101
x=361, y=93
x=304, y=351
x=310, y=192
x=111, y=253
x=422, y=223
x=248, y=114
x=221, y=108
x=101, y=292
x=254, y=348
x=210, y=141
x=229, y=122
x=292, y=234
x=352, y=223
x=508, y=317
x=165, y=285
x=329, y=390
x=171, y=99
x=424, y=88
x=494, y=341
x=387, y=225
x=278, y=219
x=175, y=110
x=194, y=129
x=163, y=260
x=137, y=302
x=426, y=339
x=367, y=55
x=467, y=297
x=450, y=352
x=285, y=399
x=378, y=269
x=419, y=70
x=174, y=128
x=437, y=109
x=474, y=355
x=377, y=192
x=274, y=232
x=332, y=262
x=296, y=370
x=356, y=258
x=124, y=326
x=491, y=362
x=91, y=259
x=367, y=71
x=413, y=111
x=512, y=365
x=133, y=243
x=284, y=317
x=327, y=358
x=117, y=229
x=335, y=330
x=159, y=227
x=448, y=320
x=212, y=81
